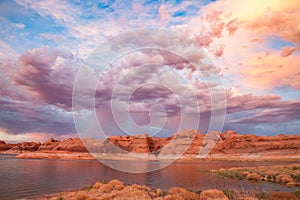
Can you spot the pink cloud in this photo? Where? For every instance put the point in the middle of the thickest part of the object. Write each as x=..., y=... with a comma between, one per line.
x=270, y=71
x=48, y=74
x=232, y=26
x=164, y=15
x=240, y=41
x=286, y=51
x=137, y=7
x=281, y=23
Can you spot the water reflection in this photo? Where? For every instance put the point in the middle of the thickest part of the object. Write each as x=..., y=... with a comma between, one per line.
x=21, y=178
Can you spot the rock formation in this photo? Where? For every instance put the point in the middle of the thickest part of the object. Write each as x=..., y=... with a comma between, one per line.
x=5, y=147
x=49, y=144
x=24, y=147
x=72, y=145
x=232, y=142
x=189, y=143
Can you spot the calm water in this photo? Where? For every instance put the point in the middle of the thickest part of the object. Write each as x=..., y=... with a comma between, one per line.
x=25, y=178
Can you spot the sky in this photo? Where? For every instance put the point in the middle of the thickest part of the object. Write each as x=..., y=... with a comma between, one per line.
x=225, y=65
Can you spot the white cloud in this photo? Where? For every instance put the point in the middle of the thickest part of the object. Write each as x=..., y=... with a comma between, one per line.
x=6, y=51
x=57, y=9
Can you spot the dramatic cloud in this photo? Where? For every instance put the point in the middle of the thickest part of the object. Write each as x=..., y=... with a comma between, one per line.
x=36, y=92
x=48, y=74
x=252, y=46
x=25, y=117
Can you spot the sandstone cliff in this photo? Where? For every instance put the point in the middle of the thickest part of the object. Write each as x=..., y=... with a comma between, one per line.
x=187, y=142
x=4, y=146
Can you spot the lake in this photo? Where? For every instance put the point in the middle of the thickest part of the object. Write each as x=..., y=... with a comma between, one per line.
x=27, y=178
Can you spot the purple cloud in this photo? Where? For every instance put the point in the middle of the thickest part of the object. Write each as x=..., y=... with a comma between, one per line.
x=36, y=94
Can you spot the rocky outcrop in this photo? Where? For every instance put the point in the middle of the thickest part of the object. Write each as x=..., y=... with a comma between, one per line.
x=135, y=144
x=5, y=147
x=186, y=142
x=72, y=145
x=189, y=143
x=69, y=145
x=49, y=144
x=232, y=142
x=24, y=147
x=139, y=143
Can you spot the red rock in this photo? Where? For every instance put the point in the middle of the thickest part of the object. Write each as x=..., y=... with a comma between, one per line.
x=5, y=147
x=250, y=143
x=189, y=142
x=72, y=145
x=135, y=144
x=228, y=134
x=49, y=144
x=24, y=147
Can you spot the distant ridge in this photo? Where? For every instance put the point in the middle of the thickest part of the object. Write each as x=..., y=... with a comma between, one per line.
x=229, y=144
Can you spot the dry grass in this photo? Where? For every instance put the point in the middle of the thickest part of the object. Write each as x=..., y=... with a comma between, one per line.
x=282, y=174
x=180, y=192
x=117, y=190
x=213, y=195
x=82, y=196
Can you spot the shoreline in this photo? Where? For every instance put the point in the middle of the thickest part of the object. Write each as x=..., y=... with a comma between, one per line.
x=116, y=189
x=64, y=155
x=288, y=175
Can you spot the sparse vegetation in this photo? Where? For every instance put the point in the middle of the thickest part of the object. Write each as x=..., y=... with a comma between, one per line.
x=288, y=175
x=232, y=195
x=115, y=189
x=88, y=187
x=213, y=194
x=262, y=195
x=297, y=194
x=230, y=174
x=82, y=196
x=296, y=168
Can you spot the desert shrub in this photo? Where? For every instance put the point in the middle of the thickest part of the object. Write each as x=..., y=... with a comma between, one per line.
x=98, y=185
x=262, y=195
x=297, y=193
x=116, y=184
x=198, y=191
x=88, y=187
x=296, y=177
x=291, y=184
x=230, y=194
x=245, y=173
x=106, y=188
x=296, y=168
x=180, y=192
x=213, y=195
x=284, y=178
x=271, y=177
x=81, y=196
x=254, y=177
